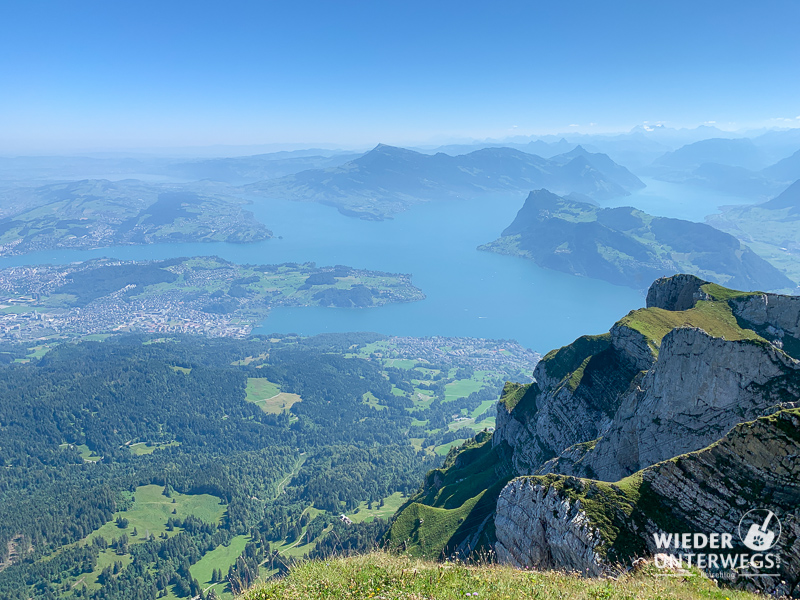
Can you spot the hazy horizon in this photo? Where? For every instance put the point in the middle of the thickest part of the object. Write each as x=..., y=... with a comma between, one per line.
x=108, y=77
x=245, y=149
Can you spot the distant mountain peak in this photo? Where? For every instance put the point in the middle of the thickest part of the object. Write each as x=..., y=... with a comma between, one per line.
x=544, y=198
x=499, y=151
x=543, y=193
x=383, y=152
x=578, y=151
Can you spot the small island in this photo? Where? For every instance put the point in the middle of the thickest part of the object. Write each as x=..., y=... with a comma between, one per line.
x=204, y=295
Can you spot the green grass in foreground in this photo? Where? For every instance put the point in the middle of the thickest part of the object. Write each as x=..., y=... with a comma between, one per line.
x=385, y=576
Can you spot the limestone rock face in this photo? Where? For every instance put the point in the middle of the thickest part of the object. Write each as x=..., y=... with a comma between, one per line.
x=623, y=409
x=676, y=428
x=557, y=413
x=633, y=346
x=679, y=292
x=782, y=313
x=699, y=388
x=537, y=526
x=757, y=465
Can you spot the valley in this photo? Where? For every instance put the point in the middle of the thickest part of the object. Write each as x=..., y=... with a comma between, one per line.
x=183, y=465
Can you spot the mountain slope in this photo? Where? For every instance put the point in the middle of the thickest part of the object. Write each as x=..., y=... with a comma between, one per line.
x=772, y=229
x=388, y=180
x=731, y=166
x=680, y=376
x=587, y=525
x=787, y=169
x=604, y=164
x=384, y=575
x=789, y=198
x=626, y=246
x=733, y=152
x=608, y=408
x=91, y=213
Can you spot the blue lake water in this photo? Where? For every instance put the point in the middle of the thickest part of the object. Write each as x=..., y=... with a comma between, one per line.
x=677, y=201
x=469, y=293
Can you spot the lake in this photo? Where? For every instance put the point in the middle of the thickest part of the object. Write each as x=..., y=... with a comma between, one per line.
x=676, y=200
x=469, y=293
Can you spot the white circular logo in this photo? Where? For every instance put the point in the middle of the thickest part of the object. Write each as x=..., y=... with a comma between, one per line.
x=759, y=529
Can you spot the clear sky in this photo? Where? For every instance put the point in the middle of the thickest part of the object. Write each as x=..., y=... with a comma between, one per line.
x=133, y=73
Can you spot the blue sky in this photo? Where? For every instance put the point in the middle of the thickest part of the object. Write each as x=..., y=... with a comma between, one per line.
x=125, y=74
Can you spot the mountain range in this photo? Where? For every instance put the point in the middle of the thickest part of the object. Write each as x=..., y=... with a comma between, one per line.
x=626, y=246
x=388, y=180
x=733, y=166
x=236, y=170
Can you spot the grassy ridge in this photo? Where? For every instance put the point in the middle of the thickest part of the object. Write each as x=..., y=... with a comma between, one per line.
x=454, y=503
x=715, y=318
x=386, y=576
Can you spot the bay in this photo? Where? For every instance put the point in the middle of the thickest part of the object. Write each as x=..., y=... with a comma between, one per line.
x=468, y=292
x=677, y=200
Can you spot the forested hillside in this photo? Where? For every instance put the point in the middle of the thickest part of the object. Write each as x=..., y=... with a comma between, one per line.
x=144, y=467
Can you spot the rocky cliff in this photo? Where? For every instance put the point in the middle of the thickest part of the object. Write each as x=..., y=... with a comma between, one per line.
x=668, y=379
x=705, y=374
x=590, y=526
x=698, y=389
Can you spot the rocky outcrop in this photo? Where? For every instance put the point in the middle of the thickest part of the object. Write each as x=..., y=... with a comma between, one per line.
x=577, y=391
x=587, y=526
x=661, y=413
x=542, y=527
x=679, y=292
x=634, y=346
x=607, y=406
x=781, y=313
x=699, y=388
